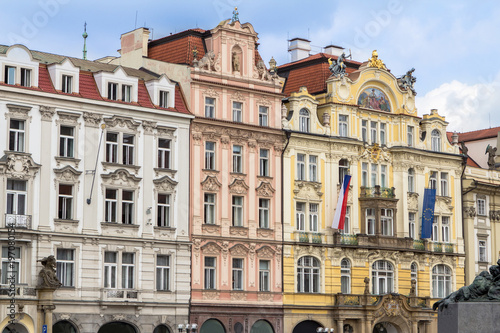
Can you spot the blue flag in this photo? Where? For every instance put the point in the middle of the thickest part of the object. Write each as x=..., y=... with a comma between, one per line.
x=428, y=212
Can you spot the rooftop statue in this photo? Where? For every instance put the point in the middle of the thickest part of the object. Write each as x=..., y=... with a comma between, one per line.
x=374, y=61
x=235, y=15
x=338, y=67
x=491, y=151
x=484, y=288
x=47, y=277
x=407, y=81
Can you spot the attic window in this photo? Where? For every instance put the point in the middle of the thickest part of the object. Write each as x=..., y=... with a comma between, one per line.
x=163, y=99
x=10, y=75
x=67, y=84
x=112, y=91
x=25, y=77
x=126, y=93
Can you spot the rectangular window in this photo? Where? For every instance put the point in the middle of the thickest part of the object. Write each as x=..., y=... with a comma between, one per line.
x=313, y=218
x=364, y=130
x=264, y=275
x=209, y=208
x=364, y=174
x=126, y=93
x=164, y=154
x=67, y=84
x=209, y=107
x=210, y=155
x=112, y=91
x=264, y=162
x=444, y=184
x=66, y=141
x=410, y=136
x=433, y=180
x=435, y=229
x=16, y=197
x=210, y=266
x=237, y=274
x=481, y=207
x=237, y=211
x=111, y=206
x=445, y=229
x=163, y=272
x=66, y=266
x=65, y=202
x=382, y=134
x=263, y=115
x=383, y=175
x=25, y=77
x=128, y=264
x=237, y=111
x=128, y=149
x=373, y=132
x=301, y=216
x=110, y=269
x=163, y=210
x=411, y=225
x=111, y=147
x=11, y=268
x=301, y=167
x=10, y=75
x=264, y=213
x=16, y=135
x=482, y=251
x=163, y=99
x=370, y=221
x=347, y=221
x=128, y=207
x=313, y=168
x=343, y=169
x=386, y=221
x=237, y=159
x=411, y=180
x=343, y=125
x=374, y=175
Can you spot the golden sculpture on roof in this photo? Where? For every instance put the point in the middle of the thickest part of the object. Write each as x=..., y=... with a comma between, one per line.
x=374, y=61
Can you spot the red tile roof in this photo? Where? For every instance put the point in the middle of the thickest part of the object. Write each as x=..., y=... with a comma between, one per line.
x=88, y=87
x=311, y=72
x=180, y=101
x=143, y=97
x=481, y=134
x=178, y=48
x=44, y=81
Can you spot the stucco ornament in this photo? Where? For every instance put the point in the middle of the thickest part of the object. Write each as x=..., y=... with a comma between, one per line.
x=207, y=61
x=47, y=277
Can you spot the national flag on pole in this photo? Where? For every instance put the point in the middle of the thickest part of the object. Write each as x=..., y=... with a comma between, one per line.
x=338, y=219
x=428, y=212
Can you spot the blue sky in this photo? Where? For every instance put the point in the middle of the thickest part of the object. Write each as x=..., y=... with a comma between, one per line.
x=453, y=45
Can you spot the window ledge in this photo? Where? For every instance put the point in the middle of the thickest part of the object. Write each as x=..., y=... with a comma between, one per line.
x=119, y=225
x=164, y=228
x=107, y=165
x=164, y=170
x=210, y=170
x=264, y=177
x=65, y=160
x=238, y=174
x=68, y=221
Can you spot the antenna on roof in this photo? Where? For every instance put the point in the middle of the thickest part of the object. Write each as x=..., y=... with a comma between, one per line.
x=85, y=35
x=135, y=26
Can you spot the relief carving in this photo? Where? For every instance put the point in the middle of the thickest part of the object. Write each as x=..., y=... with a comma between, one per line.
x=149, y=126
x=47, y=112
x=19, y=165
x=165, y=184
x=92, y=119
x=238, y=187
x=211, y=248
x=211, y=183
x=265, y=189
x=238, y=250
x=470, y=211
x=124, y=122
x=121, y=177
x=265, y=252
x=67, y=174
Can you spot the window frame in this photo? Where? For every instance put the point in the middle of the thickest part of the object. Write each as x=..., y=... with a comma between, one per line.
x=112, y=91
x=436, y=140
x=383, y=138
x=411, y=180
x=16, y=195
x=382, y=270
x=67, y=142
x=263, y=115
x=301, y=166
x=17, y=261
x=264, y=162
x=237, y=111
x=63, y=201
x=370, y=220
x=264, y=276
x=345, y=276
x=481, y=206
x=264, y=213
x=313, y=168
x=237, y=216
x=314, y=217
x=128, y=271
x=163, y=271
x=122, y=207
x=300, y=216
x=237, y=274
x=63, y=265
x=209, y=107
x=163, y=210
x=343, y=125
x=441, y=281
x=308, y=275
x=444, y=184
x=16, y=134
x=304, y=120
x=25, y=77
x=210, y=273
x=482, y=250
x=67, y=84
x=209, y=208
x=445, y=229
x=409, y=135
x=210, y=155
x=10, y=75
x=164, y=153
x=411, y=224
x=237, y=159
x=163, y=98
x=387, y=221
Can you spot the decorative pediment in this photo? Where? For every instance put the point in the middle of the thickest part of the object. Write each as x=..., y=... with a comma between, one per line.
x=443, y=205
x=238, y=187
x=307, y=190
x=265, y=252
x=120, y=177
x=211, y=248
x=124, y=122
x=265, y=189
x=237, y=96
x=211, y=183
x=238, y=250
x=210, y=92
x=18, y=111
x=67, y=174
x=18, y=165
x=92, y=119
x=165, y=184
x=166, y=132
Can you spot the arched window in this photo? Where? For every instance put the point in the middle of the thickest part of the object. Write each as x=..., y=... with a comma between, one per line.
x=308, y=275
x=343, y=169
x=411, y=180
x=345, y=276
x=212, y=326
x=63, y=326
x=117, y=327
x=441, y=281
x=414, y=275
x=161, y=329
x=435, y=140
x=382, y=277
x=304, y=120
x=261, y=326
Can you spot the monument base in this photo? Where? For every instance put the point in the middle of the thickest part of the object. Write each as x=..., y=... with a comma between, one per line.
x=470, y=317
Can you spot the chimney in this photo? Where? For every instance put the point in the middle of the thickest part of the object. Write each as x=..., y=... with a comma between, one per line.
x=299, y=48
x=135, y=41
x=334, y=50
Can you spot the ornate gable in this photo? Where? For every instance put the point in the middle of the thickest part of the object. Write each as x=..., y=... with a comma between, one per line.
x=238, y=187
x=211, y=183
x=67, y=174
x=211, y=248
x=265, y=189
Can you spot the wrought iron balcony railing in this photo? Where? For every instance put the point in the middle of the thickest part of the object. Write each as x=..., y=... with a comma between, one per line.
x=378, y=192
x=18, y=221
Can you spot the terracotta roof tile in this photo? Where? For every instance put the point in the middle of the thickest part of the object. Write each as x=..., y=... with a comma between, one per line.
x=178, y=48
x=143, y=97
x=44, y=81
x=180, y=101
x=88, y=87
x=481, y=134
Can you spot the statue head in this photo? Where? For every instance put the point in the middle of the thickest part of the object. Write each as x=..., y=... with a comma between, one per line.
x=374, y=54
x=495, y=270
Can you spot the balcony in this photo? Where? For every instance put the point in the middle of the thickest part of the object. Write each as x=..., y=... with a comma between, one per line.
x=347, y=239
x=377, y=192
x=122, y=295
x=310, y=237
x=369, y=299
x=18, y=221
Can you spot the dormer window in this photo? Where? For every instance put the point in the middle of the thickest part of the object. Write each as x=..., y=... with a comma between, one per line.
x=126, y=93
x=112, y=91
x=10, y=75
x=304, y=120
x=435, y=140
x=25, y=77
x=67, y=84
x=163, y=99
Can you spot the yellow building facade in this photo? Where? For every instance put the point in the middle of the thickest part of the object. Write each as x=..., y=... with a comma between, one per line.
x=376, y=275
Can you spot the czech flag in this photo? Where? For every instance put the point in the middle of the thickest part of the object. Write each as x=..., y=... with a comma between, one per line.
x=338, y=219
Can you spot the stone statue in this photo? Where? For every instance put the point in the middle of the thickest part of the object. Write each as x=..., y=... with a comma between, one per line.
x=262, y=72
x=484, y=288
x=407, y=81
x=47, y=277
x=464, y=148
x=374, y=61
x=236, y=62
x=338, y=67
x=491, y=151
x=413, y=288
x=207, y=61
x=367, y=285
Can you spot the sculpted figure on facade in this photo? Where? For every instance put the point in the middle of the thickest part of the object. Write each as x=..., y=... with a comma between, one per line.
x=207, y=61
x=407, y=81
x=47, y=277
x=262, y=72
x=236, y=62
x=491, y=151
x=374, y=61
x=338, y=66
